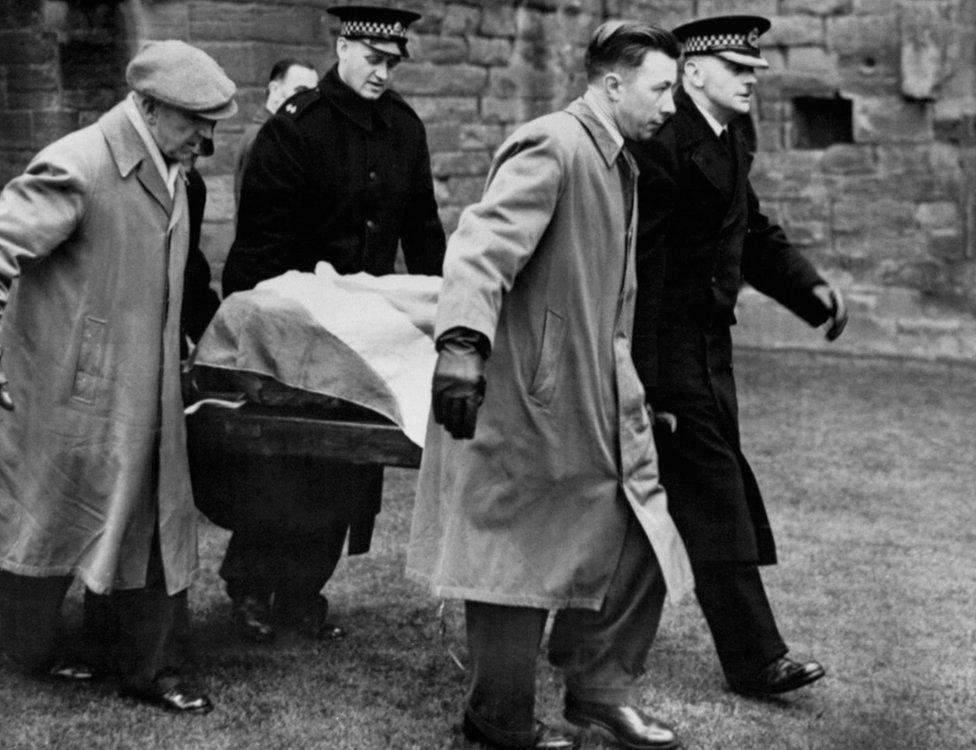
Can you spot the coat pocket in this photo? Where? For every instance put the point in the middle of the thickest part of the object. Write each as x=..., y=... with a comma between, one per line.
x=90, y=357
x=547, y=371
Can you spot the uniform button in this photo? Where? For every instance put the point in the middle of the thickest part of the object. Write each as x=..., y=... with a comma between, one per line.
x=371, y=226
x=714, y=279
x=373, y=175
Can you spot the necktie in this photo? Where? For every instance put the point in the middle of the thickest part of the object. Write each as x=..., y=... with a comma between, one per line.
x=725, y=140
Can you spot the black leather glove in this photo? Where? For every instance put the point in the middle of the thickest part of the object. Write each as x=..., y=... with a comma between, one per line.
x=459, y=381
x=5, y=401
x=833, y=303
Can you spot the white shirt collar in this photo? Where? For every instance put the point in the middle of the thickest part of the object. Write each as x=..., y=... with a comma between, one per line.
x=599, y=109
x=714, y=124
x=169, y=172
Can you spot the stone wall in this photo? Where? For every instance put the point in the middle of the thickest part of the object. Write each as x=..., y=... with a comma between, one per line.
x=866, y=122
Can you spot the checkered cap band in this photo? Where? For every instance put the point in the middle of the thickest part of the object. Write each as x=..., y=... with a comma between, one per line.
x=373, y=30
x=717, y=42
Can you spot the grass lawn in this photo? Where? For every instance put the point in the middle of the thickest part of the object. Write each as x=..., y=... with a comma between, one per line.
x=869, y=471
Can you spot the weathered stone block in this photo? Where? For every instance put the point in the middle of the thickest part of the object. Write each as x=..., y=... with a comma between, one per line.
x=924, y=41
x=427, y=79
x=794, y=31
x=34, y=100
x=478, y=135
x=938, y=216
x=526, y=82
x=93, y=98
x=813, y=60
x=460, y=19
x=273, y=23
x=438, y=49
x=460, y=163
x=489, y=51
x=870, y=7
x=769, y=135
x=499, y=21
x=887, y=120
x=842, y=158
x=816, y=7
x=25, y=48
x=444, y=136
x=724, y=7
x=785, y=174
x=48, y=126
x=15, y=130
x=27, y=78
x=160, y=20
x=463, y=191
x=947, y=245
x=875, y=34
x=878, y=218
x=452, y=108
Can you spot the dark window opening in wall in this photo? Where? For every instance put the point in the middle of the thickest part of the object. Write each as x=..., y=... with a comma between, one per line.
x=819, y=122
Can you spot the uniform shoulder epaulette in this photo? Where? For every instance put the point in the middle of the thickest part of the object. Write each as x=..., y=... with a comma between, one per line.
x=299, y=102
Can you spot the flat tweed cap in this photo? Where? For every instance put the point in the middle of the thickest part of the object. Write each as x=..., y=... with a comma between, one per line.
x=384, y=29
x=734, y=38
x=182, y=76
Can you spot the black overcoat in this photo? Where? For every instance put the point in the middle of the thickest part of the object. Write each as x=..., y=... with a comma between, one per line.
x=331, y=177
x=335, y=177
x=701, y=234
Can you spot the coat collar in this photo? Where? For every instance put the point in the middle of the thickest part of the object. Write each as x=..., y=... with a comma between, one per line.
x=352, y=105
x=129, y=153
x=608, y=147
x=694, y=135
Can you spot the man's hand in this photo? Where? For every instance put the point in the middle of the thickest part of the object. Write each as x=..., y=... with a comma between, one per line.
x=459, y=383
x=833, y=302
x=5, y=401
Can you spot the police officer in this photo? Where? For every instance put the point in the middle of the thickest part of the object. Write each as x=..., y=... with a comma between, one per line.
x=701, y=235
x=341, y=173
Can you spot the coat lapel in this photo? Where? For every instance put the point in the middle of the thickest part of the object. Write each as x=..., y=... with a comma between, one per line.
x=130, y=154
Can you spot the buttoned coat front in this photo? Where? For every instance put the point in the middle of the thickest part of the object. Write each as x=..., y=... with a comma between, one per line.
x=701, y=234
x=95, y=452
x=532, y=511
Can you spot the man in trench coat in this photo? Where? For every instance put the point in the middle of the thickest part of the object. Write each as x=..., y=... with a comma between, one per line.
x=548, y=497
x=340, y=173
x=701, y=235
x=94, y=480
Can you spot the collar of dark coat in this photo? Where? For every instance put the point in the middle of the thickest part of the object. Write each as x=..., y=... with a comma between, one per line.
x=130, y=153
x=352, y=105
x=609, y=148
x=694, y=134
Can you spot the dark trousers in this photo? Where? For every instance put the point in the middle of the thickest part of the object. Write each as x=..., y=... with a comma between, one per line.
x=136, y=633
x=734, y=602
x=291, y=518
x=601, y=653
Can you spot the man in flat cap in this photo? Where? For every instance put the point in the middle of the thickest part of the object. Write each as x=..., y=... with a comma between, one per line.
x=702, y=234
x=93, y=468
x=340, y=174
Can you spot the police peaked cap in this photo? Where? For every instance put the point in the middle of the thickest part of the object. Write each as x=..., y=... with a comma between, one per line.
x=182, y=76
x=734, y=38
x=383, y=29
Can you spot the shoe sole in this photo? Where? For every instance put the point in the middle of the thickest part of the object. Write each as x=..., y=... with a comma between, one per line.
x=605, y=732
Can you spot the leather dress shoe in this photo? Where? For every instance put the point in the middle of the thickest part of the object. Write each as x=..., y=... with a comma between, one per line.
x=628, y=726
x=310, y=617
x=779, y=676
x=546, y=738
x=172, y=693
x=252, y=617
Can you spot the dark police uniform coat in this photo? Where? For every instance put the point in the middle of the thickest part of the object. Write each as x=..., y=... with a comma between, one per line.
x=701, y=235
x=332, y=177
x=335, y=177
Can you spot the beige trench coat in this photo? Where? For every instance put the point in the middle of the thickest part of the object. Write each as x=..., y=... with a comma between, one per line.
x=529, y=512
x=96, y=449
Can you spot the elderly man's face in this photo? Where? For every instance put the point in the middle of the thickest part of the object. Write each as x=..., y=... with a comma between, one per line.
x=179, y=135
x=365, y=70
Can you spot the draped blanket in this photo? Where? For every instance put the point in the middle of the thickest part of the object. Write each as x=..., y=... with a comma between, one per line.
x=365, y=339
